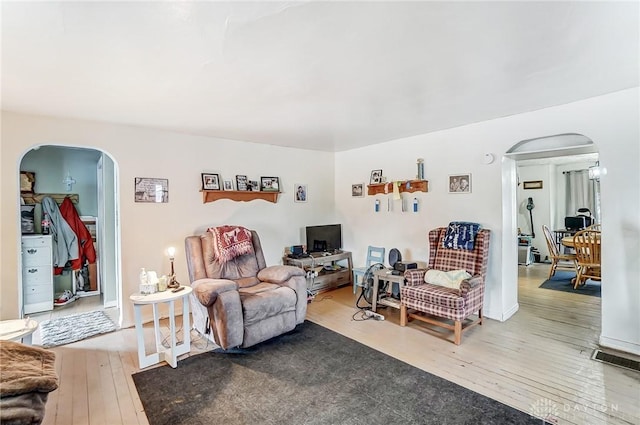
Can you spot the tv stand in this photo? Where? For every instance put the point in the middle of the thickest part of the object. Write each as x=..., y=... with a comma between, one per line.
x=326, y=279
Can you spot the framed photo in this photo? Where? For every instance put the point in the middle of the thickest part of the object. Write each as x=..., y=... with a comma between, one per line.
x=253, y=186
x=536, y=184
x=228, y=185
x=210, y=181
x=460, y=183
x=27, y=181
x=376, y=177
x=151, y=190
x=241, y=183
x=300, y=192
x=357, y=190
x=270, y=184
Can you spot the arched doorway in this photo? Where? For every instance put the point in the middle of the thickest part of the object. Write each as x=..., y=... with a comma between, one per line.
x=89, y=178
x=556, y=146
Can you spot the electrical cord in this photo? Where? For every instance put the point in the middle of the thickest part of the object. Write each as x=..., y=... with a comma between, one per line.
x=196, y=339
x=360, y=315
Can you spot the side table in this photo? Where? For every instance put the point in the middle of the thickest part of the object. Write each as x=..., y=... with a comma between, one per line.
x=170, y=355
x=385, y=274
x=18, y=329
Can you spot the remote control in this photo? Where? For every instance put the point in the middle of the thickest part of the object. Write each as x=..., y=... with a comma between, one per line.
x=178, y=289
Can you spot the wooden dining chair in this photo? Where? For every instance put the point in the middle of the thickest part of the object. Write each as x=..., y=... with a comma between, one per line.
x=588, y=249
x=558, y=260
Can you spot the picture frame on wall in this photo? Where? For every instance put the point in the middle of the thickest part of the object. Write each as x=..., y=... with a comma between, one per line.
x=357, y=190
x=536, y=184
x=210, y=181
x=460, y=183
x=270, y=184
x=376, y=177
x=241, y=183
x=300, y=192
x=228, y=185
x=148, y=189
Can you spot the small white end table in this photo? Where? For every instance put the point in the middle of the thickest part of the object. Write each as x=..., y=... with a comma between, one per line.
x=18, y=330
x=170, y=355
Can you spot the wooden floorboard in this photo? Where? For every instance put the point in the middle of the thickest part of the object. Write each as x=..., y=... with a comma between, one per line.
x=538, y=359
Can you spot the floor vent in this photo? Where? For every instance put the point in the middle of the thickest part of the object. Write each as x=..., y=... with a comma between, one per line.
x=616, y=360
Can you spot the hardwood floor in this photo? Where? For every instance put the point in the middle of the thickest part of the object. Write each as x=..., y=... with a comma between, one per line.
x=538, y=361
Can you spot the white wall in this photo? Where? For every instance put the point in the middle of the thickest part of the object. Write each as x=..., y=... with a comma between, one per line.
x=148, y=229
x=611, y=121
x=51, y=165
x=541, y=200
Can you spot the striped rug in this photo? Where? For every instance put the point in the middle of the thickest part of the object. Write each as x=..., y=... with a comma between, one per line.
x=75, y=327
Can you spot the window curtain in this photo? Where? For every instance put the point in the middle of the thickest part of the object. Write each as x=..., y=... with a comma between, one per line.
x=582, y=193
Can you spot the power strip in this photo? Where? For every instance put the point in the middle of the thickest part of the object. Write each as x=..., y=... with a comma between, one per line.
x=376, y=316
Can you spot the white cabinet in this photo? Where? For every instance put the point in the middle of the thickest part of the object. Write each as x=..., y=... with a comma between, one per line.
x=37, y=273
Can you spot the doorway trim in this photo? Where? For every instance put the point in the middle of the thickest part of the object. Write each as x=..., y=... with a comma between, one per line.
x=567, y=144
x=117, y=263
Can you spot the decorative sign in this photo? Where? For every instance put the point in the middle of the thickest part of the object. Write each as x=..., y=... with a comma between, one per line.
x=151, y=190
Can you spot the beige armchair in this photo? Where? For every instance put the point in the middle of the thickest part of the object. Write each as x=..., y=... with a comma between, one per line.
x=242, y=302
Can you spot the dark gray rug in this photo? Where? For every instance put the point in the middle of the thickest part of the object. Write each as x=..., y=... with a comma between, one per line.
x=561, y=281
x=310, y=376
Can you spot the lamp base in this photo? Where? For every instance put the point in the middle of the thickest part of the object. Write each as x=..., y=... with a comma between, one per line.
x=173, y=283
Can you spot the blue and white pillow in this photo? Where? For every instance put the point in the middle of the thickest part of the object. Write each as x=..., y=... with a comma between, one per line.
x=461, y=235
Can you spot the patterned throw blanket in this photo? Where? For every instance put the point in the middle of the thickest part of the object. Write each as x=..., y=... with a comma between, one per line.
x=231, y=241
x=461, y=235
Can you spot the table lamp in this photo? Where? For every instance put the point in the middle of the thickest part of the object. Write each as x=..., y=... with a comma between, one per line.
x=173, y=283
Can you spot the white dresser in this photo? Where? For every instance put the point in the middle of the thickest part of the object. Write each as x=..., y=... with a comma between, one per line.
x=37, y=273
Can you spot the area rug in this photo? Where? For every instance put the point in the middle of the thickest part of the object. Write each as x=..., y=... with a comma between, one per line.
x=561, y=281
x=75, y=327
x=310, y=376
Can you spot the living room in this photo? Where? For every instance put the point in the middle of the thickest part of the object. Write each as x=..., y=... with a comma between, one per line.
x=608, y=117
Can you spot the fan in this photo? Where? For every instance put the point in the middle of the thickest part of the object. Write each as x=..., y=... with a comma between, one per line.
x=367, y=283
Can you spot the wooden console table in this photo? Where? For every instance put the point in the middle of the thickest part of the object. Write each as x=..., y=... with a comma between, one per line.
x=326, y=279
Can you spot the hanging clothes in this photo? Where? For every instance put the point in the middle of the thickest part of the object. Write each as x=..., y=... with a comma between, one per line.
x=86, y=250
x=64, y=239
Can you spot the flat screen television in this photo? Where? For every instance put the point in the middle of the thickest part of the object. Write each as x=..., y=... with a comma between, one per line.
x=327, y=238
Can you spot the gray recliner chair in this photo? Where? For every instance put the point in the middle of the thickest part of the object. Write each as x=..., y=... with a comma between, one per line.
x=242, y=302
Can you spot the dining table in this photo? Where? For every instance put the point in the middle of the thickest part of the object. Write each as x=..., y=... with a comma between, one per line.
x=568, y=241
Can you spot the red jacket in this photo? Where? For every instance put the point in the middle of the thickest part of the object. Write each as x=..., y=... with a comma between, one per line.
x=85, y=242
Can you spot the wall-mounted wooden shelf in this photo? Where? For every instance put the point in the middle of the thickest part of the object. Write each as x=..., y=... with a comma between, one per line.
x=414, y=186
x=235, y=195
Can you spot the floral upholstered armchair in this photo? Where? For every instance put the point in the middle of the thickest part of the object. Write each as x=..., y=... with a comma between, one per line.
x=452, y=288
x=238, y=301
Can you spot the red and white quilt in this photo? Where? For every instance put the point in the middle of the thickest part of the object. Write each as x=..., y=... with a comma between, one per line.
x=230, y=242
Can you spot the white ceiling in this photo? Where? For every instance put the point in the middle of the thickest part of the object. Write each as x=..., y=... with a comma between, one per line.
x=318, y=75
